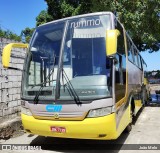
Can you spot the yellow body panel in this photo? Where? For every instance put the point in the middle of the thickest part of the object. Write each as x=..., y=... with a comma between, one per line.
x=89, y=128
x=103, y=128
x=145, y=81
x=125, y=120
x=7, y=52
x=138, y=105
x=111, y=42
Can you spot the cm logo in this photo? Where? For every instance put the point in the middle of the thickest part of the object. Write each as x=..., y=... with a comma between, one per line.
x=54, y=108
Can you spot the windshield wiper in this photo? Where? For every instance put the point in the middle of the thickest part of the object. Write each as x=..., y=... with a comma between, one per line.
x=36, y=98
x=70, y=87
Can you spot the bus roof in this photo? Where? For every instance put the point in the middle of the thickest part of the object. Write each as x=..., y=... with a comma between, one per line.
x=79, y=16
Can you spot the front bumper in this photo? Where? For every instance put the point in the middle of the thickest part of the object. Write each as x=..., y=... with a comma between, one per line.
x=90, y=128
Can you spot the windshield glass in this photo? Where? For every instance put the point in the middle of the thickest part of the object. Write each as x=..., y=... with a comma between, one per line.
x=43, y=61
x=85, y=63
x=86, y=67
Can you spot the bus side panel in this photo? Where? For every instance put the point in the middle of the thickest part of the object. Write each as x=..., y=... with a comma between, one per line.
x=135, y=85
x=125, y=120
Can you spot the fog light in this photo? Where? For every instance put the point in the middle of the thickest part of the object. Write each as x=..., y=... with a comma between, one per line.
x=102, y=135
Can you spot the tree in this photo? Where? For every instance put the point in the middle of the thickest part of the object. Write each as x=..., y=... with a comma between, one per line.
x=43, y=17
x=140, y=18
x=157, y=75
x=58, y=9
x=9, y=35
x=26, y=34
x=64, y=8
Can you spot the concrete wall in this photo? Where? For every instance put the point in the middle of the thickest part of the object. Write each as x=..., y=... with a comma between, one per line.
x=10, y=83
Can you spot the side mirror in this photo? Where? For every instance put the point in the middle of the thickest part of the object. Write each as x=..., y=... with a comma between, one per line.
x=7, y=52
x=111, y=42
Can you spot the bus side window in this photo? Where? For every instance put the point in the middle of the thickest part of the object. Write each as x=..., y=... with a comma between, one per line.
x=135, y=56
x=120, y=41
x=121, y=69
x=120, y=77
x=130, y=53
x=145, y=69
x=120, y=72
x=140, y=62
x=121, y=57
x=124, y=69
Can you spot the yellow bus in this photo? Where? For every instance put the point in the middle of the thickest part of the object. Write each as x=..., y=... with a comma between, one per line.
x=83, y=78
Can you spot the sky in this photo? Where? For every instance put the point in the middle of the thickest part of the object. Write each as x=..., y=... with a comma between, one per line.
x=152, y=60
x=16, y=15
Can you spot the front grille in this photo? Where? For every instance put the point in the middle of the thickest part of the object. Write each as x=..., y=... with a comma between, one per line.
x=61, y=116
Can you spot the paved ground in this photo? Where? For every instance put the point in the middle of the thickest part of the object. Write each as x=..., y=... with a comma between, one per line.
x=145, y=133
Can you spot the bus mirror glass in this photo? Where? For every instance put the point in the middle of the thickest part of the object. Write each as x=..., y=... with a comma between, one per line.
x=111, y=42
x=33, y=49
x=7, y=52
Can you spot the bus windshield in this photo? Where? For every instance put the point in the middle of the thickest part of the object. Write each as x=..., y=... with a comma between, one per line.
x=86, y=70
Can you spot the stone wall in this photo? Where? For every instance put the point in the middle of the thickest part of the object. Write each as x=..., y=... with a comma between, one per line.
x=10, y=83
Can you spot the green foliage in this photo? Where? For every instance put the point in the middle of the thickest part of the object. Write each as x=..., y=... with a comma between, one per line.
x=9, y=35
x=140, y=18
x=58, y=9
x=154, y=74
x=43, y=17
x=157, y=75
x=64, y=8
x=26, y=34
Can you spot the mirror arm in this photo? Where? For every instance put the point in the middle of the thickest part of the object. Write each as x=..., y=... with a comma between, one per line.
x=115, y=61
x=6, y=54
x=13, y=68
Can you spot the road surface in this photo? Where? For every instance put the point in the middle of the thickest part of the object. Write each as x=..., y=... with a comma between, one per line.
x=145, y=133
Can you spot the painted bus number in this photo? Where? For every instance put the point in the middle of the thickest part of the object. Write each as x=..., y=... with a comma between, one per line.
x=58, y=129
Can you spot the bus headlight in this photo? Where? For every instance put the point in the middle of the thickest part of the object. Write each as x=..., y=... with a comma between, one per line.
x=26, y=111
x=99, y=112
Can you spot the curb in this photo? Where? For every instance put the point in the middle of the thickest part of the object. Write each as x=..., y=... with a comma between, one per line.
x=11, y=128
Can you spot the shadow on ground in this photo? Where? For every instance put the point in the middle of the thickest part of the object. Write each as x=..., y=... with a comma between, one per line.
x=82, y=145
x=79, y=145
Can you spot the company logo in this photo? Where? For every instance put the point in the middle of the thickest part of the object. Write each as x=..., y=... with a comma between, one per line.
x=54, y=108
x=86, y=23
x=88, y=92
x=56, y=115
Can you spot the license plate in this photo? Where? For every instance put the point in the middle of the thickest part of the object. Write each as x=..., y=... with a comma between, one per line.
x=58, y=129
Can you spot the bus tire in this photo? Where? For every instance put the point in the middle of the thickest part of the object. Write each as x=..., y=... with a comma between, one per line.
x=128, y=128
x=144, y=93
